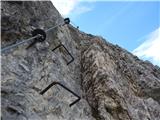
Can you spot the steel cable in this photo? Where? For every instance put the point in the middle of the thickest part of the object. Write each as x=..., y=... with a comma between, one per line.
x=29, y=39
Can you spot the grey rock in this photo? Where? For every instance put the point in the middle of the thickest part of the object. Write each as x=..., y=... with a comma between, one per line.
x=117, y=86
x=113, y=83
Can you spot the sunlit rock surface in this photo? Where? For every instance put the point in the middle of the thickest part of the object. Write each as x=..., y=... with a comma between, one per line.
x=112, y=83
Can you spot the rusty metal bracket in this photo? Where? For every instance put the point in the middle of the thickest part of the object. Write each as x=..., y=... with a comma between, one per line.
x=61, y=45
x=58, y=83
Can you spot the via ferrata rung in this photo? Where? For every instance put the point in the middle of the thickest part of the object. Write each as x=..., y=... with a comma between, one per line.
x=61, y=45
x=58, y=83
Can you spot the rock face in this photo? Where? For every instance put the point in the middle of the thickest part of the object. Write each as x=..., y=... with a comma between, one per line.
x=112, y=83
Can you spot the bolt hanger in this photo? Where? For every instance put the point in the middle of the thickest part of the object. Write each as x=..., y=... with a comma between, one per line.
x=41, y=38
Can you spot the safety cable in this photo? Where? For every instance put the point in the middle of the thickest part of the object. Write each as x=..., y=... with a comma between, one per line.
x=29, y=39
x=54, y=27
x=14, y=45
x=39, y=35
x=74, y=24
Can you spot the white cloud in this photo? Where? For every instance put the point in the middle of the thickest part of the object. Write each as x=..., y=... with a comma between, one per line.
x=79, y=9
x=66, y=7
x=150, y=49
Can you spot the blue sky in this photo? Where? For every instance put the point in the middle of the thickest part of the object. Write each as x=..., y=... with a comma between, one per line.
x=134, y=25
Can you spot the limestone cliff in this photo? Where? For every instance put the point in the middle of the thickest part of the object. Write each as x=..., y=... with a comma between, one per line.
x=113, y=84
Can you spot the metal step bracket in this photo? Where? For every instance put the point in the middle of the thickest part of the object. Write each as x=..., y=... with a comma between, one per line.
x=58, y=83
x=61, y=45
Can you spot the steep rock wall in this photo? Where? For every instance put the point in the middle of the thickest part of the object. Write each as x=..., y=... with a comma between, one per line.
x=25, y=73
x=113, y=84
x=119, y=86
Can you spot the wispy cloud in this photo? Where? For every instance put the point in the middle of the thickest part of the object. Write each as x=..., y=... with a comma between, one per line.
x=80, y=9
x=150, y=48
x=66, y=7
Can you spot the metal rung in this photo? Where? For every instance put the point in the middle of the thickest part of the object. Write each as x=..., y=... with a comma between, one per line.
x=67, y=52
x=58, y=83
